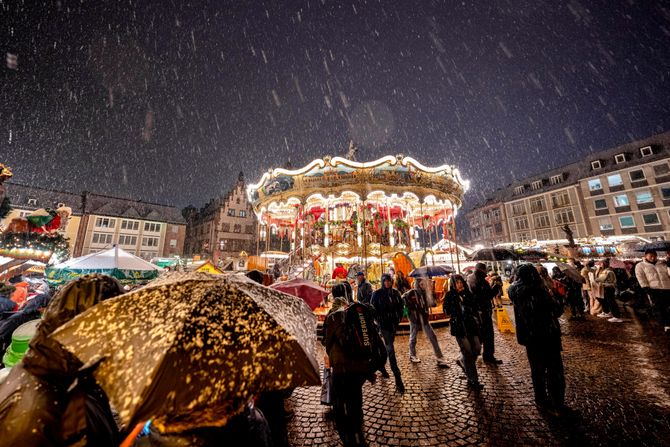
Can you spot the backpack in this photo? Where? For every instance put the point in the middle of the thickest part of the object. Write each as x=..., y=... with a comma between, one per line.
x=362, y=341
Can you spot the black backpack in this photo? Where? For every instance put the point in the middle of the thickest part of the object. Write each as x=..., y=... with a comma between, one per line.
x=362, y=341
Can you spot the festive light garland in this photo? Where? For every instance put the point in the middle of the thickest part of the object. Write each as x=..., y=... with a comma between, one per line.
x=34, y=245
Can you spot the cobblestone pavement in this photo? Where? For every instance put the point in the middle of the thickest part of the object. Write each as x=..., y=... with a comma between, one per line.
x=618, y=378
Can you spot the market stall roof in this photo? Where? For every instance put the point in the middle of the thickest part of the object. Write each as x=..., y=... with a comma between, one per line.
x=115, y=262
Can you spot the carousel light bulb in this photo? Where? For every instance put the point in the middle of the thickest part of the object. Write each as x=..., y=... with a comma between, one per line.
x=359, y=239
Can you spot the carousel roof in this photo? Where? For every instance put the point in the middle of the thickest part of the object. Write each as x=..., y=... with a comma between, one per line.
x=398, y=177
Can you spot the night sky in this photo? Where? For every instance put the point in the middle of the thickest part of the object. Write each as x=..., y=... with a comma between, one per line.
x=168, y=100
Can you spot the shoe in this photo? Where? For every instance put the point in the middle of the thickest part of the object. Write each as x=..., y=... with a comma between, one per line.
x=459, y=362
x=615, y=320
x=604, y=315
x=399, y=386
x=414, y=359
x=442, y=363
x=493, y=361
x=385, y=373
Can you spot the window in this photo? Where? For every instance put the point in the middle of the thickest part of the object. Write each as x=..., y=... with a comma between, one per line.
x=595, y=164
x=646, y=151
x=542, y=220
x=105, y=222
x=651, y=219
x=614, y=180
x=231, y=212
x=606, y=224
x=536, y=185
x=644, y=197
x=556, y=179
x=518, y=208
x=543, y=235
x=537, y=205
x=242, y=213
x=519, y=189
x=621, y=200
x=237, y=201
x=560, y=199
x=152, y=227
x=32, y=201
x=495, y=214
x=127, y=239
x=497, y=227
x=564, y=216
x=520, y=223
x=600, y=204
x=101, y=238
x=665, y=192
x=150, y=241
x=595, y=185
x=130, y=225
x=174, y=228
x=637, y=175
x=225, y=227
x=627, y=222
x=620, y=158
x=237, y=228
x=661, y=169
x=173, y=243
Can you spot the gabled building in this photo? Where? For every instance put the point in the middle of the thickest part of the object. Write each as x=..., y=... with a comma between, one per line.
x=224, y=227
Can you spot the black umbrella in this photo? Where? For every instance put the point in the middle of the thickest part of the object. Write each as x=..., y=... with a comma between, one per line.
x=431, y=270
x=493, y=254
x=657, y=245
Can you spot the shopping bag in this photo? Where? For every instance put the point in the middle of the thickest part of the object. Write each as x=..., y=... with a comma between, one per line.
x=327, y=387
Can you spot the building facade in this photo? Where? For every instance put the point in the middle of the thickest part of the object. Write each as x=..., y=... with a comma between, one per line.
x=224, y=227
x=619, y=191
x=99, y=221
x=488, y=224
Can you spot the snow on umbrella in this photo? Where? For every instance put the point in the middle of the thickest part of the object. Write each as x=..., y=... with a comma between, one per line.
x=493, y=254
x=570, y=271
x=656, y=245
x=192, y=349
x=431, y=271
x=309, y=292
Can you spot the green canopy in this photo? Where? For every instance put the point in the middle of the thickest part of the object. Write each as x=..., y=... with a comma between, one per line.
x=114, y=262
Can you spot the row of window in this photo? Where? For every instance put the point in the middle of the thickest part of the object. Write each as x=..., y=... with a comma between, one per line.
x=232, y=212
x=628, y=221
x=635, y=176
x=621, y=158
x=641, y=197
x=537, y=204
x=538, y=184
x=150, y=227
x=125, y=240
x=562, y=217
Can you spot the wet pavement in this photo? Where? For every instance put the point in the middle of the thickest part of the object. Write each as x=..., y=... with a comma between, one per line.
x=618, y=378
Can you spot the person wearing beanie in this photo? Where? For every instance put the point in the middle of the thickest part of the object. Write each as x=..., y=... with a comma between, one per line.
x=364, y=291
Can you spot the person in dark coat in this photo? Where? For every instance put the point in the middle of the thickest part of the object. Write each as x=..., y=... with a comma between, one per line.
x=388, y=306
x=348, y=375
x=401, y=283
x=537, y=328
x=461, y=306
x=481, y=289
x=47, y=399
x=364, y=291
x=418, y=301
x=31, y=311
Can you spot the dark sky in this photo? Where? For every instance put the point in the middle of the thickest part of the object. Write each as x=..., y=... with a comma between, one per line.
x=168, y=100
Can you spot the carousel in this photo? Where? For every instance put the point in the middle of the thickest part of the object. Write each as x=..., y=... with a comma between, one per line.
x=358, y=214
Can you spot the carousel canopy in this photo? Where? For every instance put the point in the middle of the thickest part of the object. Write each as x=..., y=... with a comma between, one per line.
x=392, y=177
x=114, y=262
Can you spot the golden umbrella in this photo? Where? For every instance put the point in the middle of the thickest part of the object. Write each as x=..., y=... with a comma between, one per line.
x=192, y=349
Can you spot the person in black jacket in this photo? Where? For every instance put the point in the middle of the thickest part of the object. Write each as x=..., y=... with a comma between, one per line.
x=537, y=328
x=388, y=306
x=481, y=289
x=461, y=306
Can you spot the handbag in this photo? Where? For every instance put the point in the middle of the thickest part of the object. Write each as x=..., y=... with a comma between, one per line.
x=327, y=387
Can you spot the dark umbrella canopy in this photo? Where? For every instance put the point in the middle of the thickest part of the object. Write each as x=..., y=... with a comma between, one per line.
x=431, y=271
x=493, y=254
x=191, y=349
x=570, y=271
x=657, y=245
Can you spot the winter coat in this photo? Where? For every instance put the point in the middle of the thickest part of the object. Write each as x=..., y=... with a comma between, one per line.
x=401, y=283
x=364, y=293
x=7, y=305
x=388, y=307
x=536, y=313
x=481, y=289
x=334, y=336
x=607, y=278
x=653, y=276
x=38, y=404
x=463, y=313
x=587, y=282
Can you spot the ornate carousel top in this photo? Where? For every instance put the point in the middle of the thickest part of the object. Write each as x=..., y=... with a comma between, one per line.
x=397, y=178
